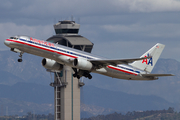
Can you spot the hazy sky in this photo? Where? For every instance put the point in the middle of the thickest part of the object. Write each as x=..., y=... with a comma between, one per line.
x=118, y=28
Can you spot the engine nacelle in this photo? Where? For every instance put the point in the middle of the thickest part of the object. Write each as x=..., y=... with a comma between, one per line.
x=51, y=65
x=83, y=64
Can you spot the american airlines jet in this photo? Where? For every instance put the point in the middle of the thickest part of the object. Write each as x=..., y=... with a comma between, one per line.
x=83, y=63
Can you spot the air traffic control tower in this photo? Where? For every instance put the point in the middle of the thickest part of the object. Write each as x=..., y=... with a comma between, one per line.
x=67, y=87
x=67, y=35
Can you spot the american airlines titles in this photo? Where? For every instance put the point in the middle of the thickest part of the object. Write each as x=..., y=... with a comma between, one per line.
x=41, y=42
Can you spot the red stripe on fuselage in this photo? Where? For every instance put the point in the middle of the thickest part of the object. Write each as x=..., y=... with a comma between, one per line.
x=41, y=48
x=121, y=70
x=65, y=54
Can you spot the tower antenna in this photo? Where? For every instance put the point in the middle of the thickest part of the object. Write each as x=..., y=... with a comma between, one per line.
x=71, y=17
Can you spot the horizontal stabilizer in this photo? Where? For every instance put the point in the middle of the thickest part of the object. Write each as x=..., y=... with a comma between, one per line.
x=156, y=75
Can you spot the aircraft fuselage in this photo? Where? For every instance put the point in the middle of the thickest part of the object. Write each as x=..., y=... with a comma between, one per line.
x=64, y=55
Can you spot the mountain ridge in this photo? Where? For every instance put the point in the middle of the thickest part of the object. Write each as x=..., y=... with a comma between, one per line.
x=27, y=97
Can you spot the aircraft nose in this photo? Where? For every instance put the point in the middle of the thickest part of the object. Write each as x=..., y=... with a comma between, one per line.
x=6, y=42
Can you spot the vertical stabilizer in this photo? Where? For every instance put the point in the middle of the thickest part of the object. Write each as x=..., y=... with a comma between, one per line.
x=148, y=64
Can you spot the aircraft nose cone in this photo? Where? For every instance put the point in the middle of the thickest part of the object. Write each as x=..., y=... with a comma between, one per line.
x=6, y=42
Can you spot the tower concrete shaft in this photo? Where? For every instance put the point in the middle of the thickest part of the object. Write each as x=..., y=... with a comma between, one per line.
x=66, y=95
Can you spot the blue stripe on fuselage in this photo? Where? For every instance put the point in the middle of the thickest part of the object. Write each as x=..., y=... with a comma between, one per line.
x=75, y=54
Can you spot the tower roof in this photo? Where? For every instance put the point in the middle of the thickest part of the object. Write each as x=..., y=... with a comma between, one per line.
x=66, y=27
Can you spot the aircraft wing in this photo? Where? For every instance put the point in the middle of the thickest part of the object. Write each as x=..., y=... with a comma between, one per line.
x=106, y=62
x=156, y=75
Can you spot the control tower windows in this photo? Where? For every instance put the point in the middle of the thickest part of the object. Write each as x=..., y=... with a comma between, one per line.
x=88, y=48
x=65, y=31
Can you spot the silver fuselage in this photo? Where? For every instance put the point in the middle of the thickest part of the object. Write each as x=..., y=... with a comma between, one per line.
x=63, y=55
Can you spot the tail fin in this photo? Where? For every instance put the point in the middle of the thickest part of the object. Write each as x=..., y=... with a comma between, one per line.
x=148, y=64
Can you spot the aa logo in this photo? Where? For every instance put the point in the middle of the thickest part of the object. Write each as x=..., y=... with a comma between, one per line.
x=148, y=61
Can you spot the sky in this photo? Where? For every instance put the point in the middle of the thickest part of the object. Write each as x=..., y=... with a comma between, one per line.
x=118, y=28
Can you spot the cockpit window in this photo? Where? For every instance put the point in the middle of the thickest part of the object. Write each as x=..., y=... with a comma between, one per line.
x=14, y=38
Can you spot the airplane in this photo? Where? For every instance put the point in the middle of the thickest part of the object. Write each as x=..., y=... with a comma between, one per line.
x=83, y=63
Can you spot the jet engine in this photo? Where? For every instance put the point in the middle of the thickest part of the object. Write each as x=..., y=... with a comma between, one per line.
x=51, y=65
x=83, y=64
